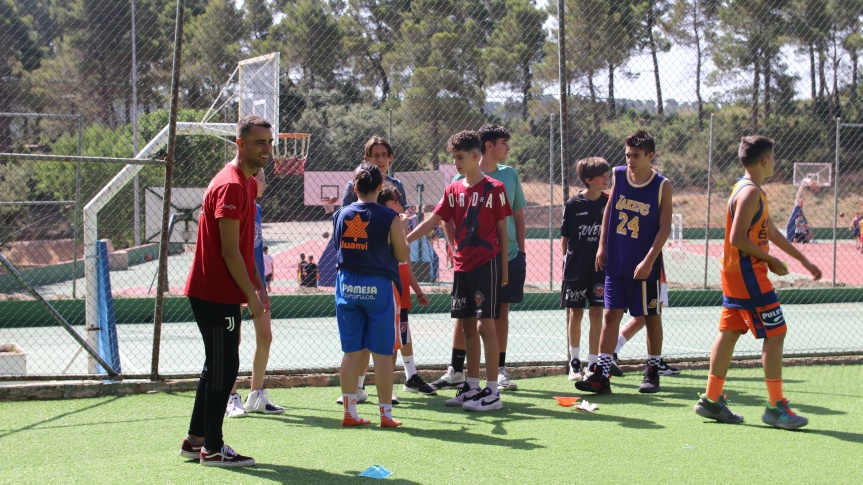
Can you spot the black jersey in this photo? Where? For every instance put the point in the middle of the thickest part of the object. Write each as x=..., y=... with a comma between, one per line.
x=582, y=221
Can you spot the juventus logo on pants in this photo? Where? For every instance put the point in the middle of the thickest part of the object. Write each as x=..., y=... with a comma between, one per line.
x=231, y=323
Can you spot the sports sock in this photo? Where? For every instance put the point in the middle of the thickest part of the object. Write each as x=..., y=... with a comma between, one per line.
x=410, y=367
x=350, y=401
x=386, y=410
x=491, y=385
x=473, y=382
x=574, y=352
x=361, y=382
x=621, y=341
x=774, y=390
x=592, y=359
x=653, y=359
x=605, y=363
x=714, y=387
x=457, y=361
x=501, y=361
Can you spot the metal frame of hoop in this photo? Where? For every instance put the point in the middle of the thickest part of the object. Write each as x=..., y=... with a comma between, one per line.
x=329, y=204
x=291, y=158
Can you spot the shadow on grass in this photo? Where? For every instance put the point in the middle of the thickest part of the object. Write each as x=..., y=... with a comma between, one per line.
x=291, y=474
x=731, y=378
x=60, y=416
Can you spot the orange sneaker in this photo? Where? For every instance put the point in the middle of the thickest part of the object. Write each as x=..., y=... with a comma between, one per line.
x=349, y=420
x=389, y=422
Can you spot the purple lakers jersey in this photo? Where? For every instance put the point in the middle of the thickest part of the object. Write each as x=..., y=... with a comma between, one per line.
x=633, y=224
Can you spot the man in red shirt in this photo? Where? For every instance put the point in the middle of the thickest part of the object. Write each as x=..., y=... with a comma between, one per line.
x=223, y=277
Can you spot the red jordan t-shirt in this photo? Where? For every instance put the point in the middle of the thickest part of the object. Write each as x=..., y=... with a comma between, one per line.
x=230, y=195
x=475, y=212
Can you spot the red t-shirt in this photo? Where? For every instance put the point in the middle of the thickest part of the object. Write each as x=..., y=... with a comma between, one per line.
x=475, y=212
x=230, y=195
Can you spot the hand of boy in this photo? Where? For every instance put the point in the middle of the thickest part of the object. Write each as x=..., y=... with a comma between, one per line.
x=777, y=266
x=423, y=300
x=642, y=271
x=601, y=260
x=815, y=270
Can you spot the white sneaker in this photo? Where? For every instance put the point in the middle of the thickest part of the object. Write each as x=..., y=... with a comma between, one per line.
x=362, y=395
x=450, y=380
x=484, y=401
x=259, y=402
x=395, y=399
x=464, y=394
x=503, y=382
x=235, y=407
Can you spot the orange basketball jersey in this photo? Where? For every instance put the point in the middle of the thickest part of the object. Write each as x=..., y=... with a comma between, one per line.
x=744, y=278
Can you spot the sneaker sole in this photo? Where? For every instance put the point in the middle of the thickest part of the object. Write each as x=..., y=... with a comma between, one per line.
x=449, y=385
x=592, y=389
x=705, y=413
x=229, y=464
x=417, y=391
x=244, y=415
x=280, y=411
x=648, y=390
x=511, y=387
x=786, y=426
x=494, y=407
x=190, y=455
x=669, y=372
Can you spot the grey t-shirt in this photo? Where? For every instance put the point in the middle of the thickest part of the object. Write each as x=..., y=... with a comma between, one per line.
x=350, y=196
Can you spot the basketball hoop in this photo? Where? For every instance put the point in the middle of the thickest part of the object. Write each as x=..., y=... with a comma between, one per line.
x=291, y=154
x=329, y=204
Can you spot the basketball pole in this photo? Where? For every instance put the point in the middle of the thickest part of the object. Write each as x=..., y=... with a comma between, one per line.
x=166, y=200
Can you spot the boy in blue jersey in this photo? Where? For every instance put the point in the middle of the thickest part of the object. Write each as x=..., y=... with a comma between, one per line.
x=635, y=226
x=494, y=148
x=579, y=240
x=479, y=207
x=370, y=243
x=258, y=400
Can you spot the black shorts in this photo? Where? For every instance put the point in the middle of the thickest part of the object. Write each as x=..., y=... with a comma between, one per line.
x=476, y=293
x=575, y=294
x=269, y=278
x=513, y=292
x=404, y=327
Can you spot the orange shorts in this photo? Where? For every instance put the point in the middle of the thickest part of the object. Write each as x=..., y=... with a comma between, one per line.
x=765, y=321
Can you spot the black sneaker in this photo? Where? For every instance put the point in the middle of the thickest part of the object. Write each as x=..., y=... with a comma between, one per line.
x=717, y=410
x=667, y=370
x=595, y=383
x=650, y=383
x=614, y=370
x=417, y=384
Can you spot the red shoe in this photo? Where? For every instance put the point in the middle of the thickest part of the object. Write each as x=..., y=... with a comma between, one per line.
x=225, y=458
x=349, y=420
x=190, y=450
x=389, y=422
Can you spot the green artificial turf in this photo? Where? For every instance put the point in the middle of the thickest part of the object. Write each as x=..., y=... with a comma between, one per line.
x=631, y=438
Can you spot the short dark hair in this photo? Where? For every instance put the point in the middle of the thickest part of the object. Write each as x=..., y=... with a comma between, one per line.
x=588, y=168
x=492, y=133
x=367, y=178
x=244, y=126
x=389, y=192
x=641, y=139
x=378, y=140
x=266, y=248
x=753, y=147
x=302, y=255
x=311, y=257
x=465, y=141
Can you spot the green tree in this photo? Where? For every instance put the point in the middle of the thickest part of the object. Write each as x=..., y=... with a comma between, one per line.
x=310, y=40
x=210, y=52
x=653, y=13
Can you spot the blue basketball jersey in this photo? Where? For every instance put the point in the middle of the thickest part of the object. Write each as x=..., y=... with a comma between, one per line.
x=259, y=245
x=361, y=235
x=633, y=224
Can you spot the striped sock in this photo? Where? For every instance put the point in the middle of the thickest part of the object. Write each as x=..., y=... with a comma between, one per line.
x=350, y=401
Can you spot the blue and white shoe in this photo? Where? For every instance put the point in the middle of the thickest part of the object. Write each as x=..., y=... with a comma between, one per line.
x=484, y=401
x=464, y=395
x=258, y=401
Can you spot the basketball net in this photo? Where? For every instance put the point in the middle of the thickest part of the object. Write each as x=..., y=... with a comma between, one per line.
x=329, y=204
x=291, y=154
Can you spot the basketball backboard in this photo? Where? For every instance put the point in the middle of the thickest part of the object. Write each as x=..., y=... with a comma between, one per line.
x=259, y=88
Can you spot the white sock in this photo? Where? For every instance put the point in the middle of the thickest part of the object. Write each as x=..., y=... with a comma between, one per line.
x=574, y=352
x=410, y=367
x=491, y=385
x=350, y=401
x=621, y=341
x=386, y=410
x=473, y=382
x=592, y=359
x=361, y=381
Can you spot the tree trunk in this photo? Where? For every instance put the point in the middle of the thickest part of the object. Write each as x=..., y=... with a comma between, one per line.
x=812, y=69
x=593, y=106
x=612, y=108
x=854, y=77
x=822, y=77
x=385, y=80
x=699, y=56
x=768, y=71
x=756, y=85
x=527, y=83
x=650, y=24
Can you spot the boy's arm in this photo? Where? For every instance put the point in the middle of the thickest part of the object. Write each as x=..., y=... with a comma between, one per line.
x=504, y=248
x=601, y=258
x=415, y=285
x=564, y=241
x=642, y=271
x=784, y=244
x=424, y=228
x=401, y=250
x=518, y=218
x=449, y=233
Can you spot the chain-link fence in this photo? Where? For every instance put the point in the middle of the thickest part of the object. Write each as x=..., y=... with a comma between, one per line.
x=93, y=79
